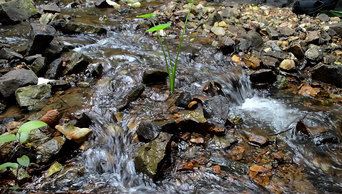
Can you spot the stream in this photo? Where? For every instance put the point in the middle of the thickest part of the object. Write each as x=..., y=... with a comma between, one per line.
x=125, y=52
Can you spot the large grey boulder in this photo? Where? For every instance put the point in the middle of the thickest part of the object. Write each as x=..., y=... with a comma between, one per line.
x=150, y=155
x=331, y=74
x=40, y=38
x=55, y=69
x=13, y=80
x=9, y=54
x=16, y=11
x=33, y=97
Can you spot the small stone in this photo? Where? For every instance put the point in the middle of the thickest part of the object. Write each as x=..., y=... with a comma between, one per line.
x=297, y=50
x=323, y=17
x=236, y=59
x=258, y=139
x=314, y=54
x=278, y=156
x=286, y=31
x=196, y=139
x=54, y=168
x=192, y=105
x=312, y=37
x=222, y=24
x=219, y=31
x=287, y=64
x=51, y=118
x=183, y=100
x=273, y=34
x=216, y=169
x=51, y=8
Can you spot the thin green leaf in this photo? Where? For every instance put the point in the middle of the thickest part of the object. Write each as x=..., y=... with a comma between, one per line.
x=147, y=15
x=29, y=126
x=24, y=161
x=159, y=27
x=191, y=1
x=9, y=164
x=22, y=137
x=7, y=138
x=15, y=187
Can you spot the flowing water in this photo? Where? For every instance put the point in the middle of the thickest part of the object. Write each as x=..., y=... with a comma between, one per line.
x=125, y=54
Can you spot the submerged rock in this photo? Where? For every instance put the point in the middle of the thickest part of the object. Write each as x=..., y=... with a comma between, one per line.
x=151, y=155
x=222, y=142
x=16, y=11
x=149, y=130
x=76, y=63
x=13, y=80
x=216, y=107
x=33, y=97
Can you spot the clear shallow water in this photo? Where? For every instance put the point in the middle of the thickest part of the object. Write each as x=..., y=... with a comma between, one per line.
x=109, y=163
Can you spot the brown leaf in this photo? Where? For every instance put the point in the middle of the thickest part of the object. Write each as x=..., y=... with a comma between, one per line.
x=307, y=90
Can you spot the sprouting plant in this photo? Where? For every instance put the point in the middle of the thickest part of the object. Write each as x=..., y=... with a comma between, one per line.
x=171, y=65
x=21, y=136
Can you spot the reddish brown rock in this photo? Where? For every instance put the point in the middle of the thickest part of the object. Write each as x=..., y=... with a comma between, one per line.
x=216, y=169
x=51, y=118
x=259, y=175
x=258, y=139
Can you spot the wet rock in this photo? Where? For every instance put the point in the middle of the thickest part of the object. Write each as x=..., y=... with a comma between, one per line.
x=216, y=169
x=307, y=90
x=330, y=74
x=149, y=130
x=244, y=45
x=252, y=62
x=151, y=155
x=67, y=176
x=77, y=28
x=54, y=50
x=49, y=149
x=255, y=38
x=287, y=64
x=259, y=175
x=9, y=54
x=272, y=33
x=76, y=63
x=314, y=54
x=281, y=82
x=278, y=156
x=312, y=37
x=297, y=50
x=227, y=45
x=40, y=38
x=55, y=69
x=216, y=107
x=258, y=140
x=154, y=76
x=16, y=11
x=95, y=69
x=228, y=165
x=214, y=17
x=286, y=31
x=269, y=62
x=337, y=27
x=51, y=8
x=37, y=137
x=262, y=76
x=51, y=118
x=222, y=142
x=58, y=85
x=277, y=54
x=39, y=66
x=218, y=31
x=135, y=93
x=33, y=97
x=82, y=120
x=76, y=134
x=325, y=138
x=54, y=168
x=12, y=80
x=183, y=100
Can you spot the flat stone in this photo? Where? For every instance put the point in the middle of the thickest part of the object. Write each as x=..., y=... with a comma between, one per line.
x=9, y=54
x=216, y=107
x=314, y=54
x=33, y=97
x=51, y=8
x=258, y=139
x=219, y=31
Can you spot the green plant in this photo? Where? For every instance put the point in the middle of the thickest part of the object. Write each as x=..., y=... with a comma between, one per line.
x=21, y=136
x=171, y=66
